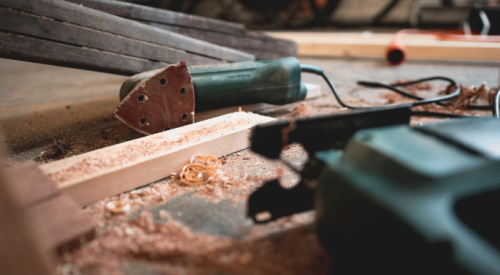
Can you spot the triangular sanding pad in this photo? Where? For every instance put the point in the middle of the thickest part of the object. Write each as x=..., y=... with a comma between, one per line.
x=161, y=102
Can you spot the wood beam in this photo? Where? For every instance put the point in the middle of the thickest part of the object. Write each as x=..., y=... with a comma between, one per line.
x=375, y=45
x=211, y=30
x=75, y=36
x=109, y=171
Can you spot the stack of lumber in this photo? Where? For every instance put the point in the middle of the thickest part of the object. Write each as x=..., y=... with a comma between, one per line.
x=375, y=45
x=66, y=34
x=219, y=32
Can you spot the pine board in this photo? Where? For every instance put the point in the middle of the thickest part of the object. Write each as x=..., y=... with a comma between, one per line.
x=375, y=45
x=109, y=171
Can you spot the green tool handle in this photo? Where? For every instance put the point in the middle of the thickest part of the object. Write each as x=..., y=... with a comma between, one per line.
x=217, y=86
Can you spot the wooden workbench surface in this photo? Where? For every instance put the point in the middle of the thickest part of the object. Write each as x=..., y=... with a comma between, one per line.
x=50, y=113
x=43, y=108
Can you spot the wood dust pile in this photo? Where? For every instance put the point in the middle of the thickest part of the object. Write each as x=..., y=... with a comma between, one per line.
x=286, y=246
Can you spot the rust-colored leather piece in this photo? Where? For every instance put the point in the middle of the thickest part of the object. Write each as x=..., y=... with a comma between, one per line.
x=161, y=102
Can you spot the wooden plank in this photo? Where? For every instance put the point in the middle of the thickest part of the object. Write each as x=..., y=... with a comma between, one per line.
x=21, y=248
x=261, y=46
x=210, y=30
x=95, y=175
x=62, y=222
x=138, y=12
x=58, y=219
x=35, y=50
x=48, y=29
x=86, y=17
x=375, y=45
x=35, y=186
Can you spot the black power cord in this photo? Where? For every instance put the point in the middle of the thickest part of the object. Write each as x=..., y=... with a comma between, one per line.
x=392, y=87
x=421, y=101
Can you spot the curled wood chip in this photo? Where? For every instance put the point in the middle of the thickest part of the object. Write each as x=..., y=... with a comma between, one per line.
x=118, y=207
x=205, y=169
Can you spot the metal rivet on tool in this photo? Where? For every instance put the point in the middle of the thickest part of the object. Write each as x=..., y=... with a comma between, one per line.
x=163, y=82
x=185, y=116
x=143, y=121
x=141, y=98
x=183, y=91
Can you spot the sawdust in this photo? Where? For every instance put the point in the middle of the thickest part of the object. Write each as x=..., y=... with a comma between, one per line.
x=286, y=246
x=99, y=161
x=183, y=252
x=83, y=139
x=57, y=150
x=255, y=168
x=301, y=111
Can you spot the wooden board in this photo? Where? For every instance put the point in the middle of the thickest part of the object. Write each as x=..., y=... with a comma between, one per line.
x=375, y=45
x=140, y=12
x=62, y=222
x=109, y=171
x=214, y=31
x=35, y=187
x=80, y=37
x=21, y=248
x=48, y=29
x=26, y=48
x=58, y=219
x=263, y=47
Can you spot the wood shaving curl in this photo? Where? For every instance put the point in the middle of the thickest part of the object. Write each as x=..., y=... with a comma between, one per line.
x=203, y=170
x=118, y=206
x=472, y=95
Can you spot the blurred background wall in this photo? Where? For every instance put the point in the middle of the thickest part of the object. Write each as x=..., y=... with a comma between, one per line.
x=296, y=14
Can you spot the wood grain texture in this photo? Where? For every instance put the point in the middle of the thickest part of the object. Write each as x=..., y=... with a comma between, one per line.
x=262, y=46
x=47, y=29
x=109, y=171
x=62, y=222
x=22, y=251
x=34, y=186
x=86, y=37
x=59, y=220
x=214, y=31
x=139, y=12
x=375, y=45
x=35, y=50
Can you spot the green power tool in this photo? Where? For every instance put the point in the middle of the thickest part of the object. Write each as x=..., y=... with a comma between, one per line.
x=159, y=100
x=396, y=199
